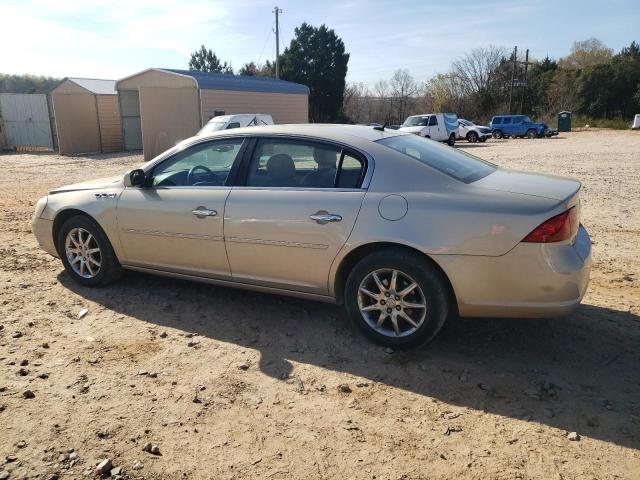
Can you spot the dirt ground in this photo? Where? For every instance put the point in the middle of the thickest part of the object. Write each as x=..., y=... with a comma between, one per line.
x=244, y=385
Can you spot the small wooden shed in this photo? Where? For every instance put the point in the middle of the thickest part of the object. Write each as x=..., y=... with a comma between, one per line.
x=161, y=106
x=87, y=116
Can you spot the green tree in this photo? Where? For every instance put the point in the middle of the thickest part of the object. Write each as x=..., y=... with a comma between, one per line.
x=316, y=57
x=27, y=83
x=205, y=60
x=252, y=70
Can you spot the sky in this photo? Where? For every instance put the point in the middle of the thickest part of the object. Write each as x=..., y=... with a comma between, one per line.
x=116, y=38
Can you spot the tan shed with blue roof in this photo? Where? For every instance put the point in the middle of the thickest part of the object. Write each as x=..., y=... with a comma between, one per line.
x=159, y=107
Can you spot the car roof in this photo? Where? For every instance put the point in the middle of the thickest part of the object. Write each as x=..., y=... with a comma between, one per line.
x=328, y=131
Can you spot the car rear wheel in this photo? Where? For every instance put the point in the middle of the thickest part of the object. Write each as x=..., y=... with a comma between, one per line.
x=497, y=134
x=452, y=140
x=472, y=137
x=86, y=252
x=531, y=133
x=397, y=298
x=482, y=140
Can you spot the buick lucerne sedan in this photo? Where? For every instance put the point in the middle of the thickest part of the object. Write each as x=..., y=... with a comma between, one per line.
x=401, y=230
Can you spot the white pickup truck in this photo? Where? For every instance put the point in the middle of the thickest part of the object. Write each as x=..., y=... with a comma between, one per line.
x=442, y=127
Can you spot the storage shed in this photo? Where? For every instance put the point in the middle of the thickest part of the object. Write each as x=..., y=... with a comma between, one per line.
x=161, y=106
x=87, y=117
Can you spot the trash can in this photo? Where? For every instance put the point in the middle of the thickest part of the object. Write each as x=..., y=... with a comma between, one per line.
x=564, y=122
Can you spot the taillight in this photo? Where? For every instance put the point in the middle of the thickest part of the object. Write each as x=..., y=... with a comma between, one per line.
x=556, y=229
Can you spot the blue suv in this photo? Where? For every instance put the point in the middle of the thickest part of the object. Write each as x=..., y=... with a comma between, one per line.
x=505, y=126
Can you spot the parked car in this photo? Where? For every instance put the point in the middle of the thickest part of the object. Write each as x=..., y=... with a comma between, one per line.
x=442, y=127
x=636, y=123
x=471, y=132
x=401, y=230
x=225, y=122
x=505, y=126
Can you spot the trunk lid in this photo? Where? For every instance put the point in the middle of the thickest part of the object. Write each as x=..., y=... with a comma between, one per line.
x=526, y=183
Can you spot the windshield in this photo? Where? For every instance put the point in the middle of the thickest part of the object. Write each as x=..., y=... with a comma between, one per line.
x=527, y=120
x=211, y=127
x=419, y=121
x=455, y=163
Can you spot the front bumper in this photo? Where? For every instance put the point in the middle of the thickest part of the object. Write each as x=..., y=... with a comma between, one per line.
x=43, y=231
x=551, y=133
x=532, y=280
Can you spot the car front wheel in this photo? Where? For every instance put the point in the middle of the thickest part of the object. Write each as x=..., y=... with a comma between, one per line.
x=397, y=298
x=472, y=137
x=531, y=134
x=86, y=252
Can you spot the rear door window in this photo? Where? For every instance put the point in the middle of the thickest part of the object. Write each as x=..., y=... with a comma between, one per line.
x=506, y=120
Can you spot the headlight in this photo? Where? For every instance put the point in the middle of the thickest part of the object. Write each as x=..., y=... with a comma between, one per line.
x=40, y=207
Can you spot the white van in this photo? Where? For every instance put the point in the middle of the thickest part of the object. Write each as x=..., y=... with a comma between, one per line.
x=442, y=127
x=225, y=122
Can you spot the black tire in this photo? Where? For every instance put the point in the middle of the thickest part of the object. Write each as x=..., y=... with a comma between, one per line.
x=498, y=134
x=109, y=270
x=452, y=140
x=433, y=289
x=531, y=134
x=482, y=140
x=472, y=137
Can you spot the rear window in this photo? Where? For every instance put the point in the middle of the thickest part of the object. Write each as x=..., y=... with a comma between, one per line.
x=455, y=163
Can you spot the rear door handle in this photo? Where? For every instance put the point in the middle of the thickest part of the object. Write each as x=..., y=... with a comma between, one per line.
x=202, y=212
x=324, y=217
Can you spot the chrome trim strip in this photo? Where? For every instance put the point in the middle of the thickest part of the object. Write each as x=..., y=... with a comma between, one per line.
x=156, y=233
x=278, y=243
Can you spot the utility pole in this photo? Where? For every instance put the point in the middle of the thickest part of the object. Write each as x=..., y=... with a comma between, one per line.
x=277, y=10
x=513, y=74
x=524, y=87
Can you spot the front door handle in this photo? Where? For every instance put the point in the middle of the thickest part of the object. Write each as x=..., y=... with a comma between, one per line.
x=202, y=212
x=323, y=217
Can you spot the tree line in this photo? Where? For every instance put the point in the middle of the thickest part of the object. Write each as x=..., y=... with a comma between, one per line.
x=591, y=81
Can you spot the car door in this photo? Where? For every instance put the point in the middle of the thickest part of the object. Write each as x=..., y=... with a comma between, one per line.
x=435, y=128
x=463, y=129
x=507, y=126
x=292, y=213
x=175, y=222
x=518, y=126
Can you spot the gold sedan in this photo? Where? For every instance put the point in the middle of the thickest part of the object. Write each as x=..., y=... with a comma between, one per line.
x=403, y=231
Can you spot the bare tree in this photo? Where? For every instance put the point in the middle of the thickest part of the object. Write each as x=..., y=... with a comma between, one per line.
x=473, y=70
x=403, y=87
x=586, y=53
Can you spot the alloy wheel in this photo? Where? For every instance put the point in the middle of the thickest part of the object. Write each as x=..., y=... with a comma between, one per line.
x=83, y=252
x=392, y=303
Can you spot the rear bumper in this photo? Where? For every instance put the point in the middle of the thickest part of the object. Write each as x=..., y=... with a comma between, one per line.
x=43, y=231
x=532, y=280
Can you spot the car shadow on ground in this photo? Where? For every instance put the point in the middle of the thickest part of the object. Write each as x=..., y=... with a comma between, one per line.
x=578, y=373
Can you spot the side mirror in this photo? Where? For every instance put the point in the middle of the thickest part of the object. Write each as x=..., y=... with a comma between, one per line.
x=135, y=178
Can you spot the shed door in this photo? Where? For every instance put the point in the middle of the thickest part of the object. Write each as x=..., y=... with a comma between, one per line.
x=130, y=112
x=26, y=119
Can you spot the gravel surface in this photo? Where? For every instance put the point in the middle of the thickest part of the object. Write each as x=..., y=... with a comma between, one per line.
x=170, y=379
